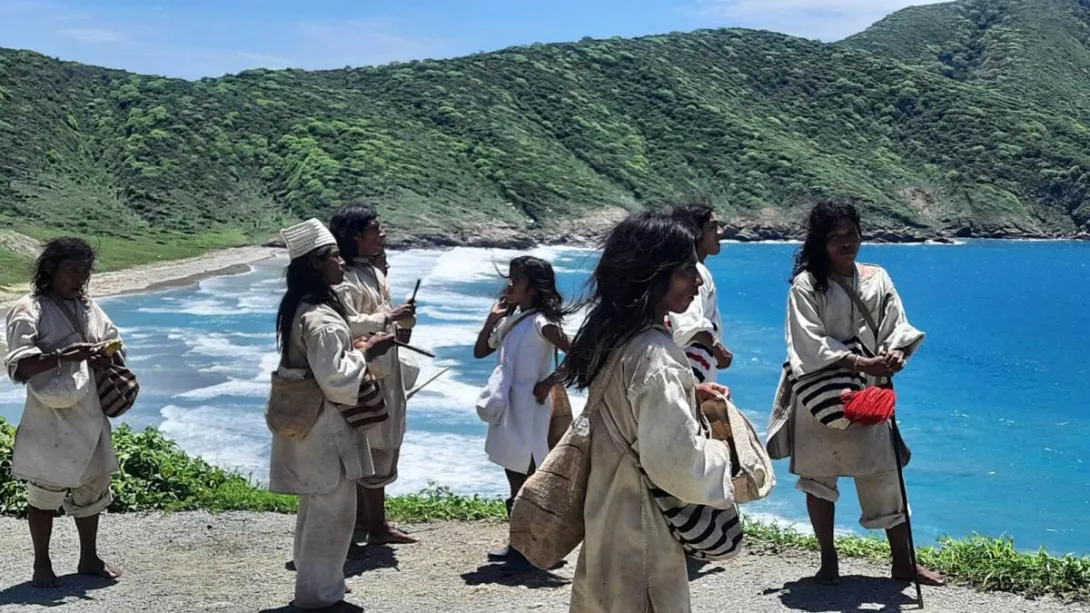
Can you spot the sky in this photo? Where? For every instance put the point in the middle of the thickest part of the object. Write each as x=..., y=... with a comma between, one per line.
x=207, y=38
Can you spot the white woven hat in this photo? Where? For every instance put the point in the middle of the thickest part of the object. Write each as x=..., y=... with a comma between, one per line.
x=303, y=238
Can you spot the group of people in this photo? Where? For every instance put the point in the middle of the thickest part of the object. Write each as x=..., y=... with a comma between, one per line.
x=652, y=342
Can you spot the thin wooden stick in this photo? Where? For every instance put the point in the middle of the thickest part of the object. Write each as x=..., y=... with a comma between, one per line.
x=416, y=389
x=411, y=348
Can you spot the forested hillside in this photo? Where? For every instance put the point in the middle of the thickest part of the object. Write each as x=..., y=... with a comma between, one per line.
x=967, y=118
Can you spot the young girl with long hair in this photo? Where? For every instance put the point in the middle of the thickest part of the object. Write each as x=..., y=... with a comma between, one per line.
x=524, y=326
x=827, y=331
x=322, y=466
x=630, y=560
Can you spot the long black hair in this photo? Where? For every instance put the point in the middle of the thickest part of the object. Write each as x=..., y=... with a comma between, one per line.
x=55, y=253
x=347, y=224
x=542, y=281
x=695, y=212
x=639, y=258
x=305, y=283
x=813, y=255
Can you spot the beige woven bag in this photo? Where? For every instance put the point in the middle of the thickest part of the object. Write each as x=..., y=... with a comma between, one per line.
x=294, y=404
x=547, y=517
x=754, y=478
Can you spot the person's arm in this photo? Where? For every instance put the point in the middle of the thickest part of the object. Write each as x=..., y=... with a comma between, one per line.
x=675, y=455
x=483, y=347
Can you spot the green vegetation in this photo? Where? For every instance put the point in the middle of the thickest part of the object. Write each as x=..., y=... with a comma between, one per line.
x=964, y=117
x=157, y=476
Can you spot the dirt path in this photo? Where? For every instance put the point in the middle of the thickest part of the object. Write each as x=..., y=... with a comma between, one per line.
x=237, y=562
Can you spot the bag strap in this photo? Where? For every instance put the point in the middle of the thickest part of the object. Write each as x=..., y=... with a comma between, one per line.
x=858, y=300
x=72, y=319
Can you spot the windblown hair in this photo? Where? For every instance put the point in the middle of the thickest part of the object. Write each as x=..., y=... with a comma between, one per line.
x=813, y=255
x=55, y=253
x=347, y=224
x=633, y=276
x=305, y=284
x=542, y=282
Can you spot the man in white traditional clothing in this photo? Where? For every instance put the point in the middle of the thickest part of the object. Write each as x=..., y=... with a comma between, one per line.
x=365, y=294
x=56, y=336
x=699, y=330
x=322, y=465
x=827, y=331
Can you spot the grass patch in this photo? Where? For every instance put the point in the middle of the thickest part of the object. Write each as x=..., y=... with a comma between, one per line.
x=156, y=475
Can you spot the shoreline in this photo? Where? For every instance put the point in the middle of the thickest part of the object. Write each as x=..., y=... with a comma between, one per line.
x=162, y=276
x=174, y=274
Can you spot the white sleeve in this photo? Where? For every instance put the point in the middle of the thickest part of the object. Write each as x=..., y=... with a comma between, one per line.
x=672, y=449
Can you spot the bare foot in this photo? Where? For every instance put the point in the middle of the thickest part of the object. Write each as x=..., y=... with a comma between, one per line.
x=828, y=574
x=99, y=568
x=44, y=577
x=390, y=536
x=347, y=588
x=923, y=575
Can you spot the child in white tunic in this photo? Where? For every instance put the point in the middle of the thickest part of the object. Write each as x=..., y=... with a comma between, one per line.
x=63, y=447
x=699, y=329
x=525, y=328
x=322, y=467
x=822, y=320
x=365, y=294
x=630, y=560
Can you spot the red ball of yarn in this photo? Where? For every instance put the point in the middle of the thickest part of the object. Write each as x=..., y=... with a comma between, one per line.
x=869, y=407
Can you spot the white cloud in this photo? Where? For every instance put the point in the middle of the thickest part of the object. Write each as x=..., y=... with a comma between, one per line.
x=821, y=19
x=92, y=35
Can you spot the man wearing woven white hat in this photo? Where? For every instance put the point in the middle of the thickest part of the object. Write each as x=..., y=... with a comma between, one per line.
x=324, y=398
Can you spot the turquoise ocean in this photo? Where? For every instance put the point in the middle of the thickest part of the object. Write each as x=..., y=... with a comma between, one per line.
x=994, y=406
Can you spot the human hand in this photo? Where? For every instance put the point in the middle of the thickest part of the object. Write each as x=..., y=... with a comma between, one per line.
x=875, y=367
x=711, y=391
x=542, y=390
x=79, y=352
x=723, y=356
x=895, y=360
x=500, y=310
x=375, y=345
x=403, y=312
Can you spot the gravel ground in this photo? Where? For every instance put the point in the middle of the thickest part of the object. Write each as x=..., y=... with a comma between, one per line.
x=237, y=562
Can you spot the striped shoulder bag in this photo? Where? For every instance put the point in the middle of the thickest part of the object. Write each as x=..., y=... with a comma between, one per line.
x=116, y=383
x=704, y=532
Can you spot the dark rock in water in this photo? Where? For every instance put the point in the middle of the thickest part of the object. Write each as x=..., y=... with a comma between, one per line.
x=942, y=240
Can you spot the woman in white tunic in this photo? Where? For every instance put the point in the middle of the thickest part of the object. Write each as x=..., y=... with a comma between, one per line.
x=62, y=447
x=322, y=468
x=699, y=330
x=822, y=321
x=525, y=328
x=630, y=562
x=365, y=294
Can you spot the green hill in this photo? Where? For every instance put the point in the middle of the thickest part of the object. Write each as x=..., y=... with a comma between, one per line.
x=965, y=118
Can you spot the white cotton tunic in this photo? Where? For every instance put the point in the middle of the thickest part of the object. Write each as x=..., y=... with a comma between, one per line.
x=332, y=451
x=365, y=295
x=818, y=324
x=522, y=435
x=701, y=316
x=63, y=447
x=630, y=562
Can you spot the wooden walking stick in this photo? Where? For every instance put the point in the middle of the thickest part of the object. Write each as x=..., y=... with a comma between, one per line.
x=895, y=435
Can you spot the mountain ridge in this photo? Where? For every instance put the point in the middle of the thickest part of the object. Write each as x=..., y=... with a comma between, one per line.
x=940, y=120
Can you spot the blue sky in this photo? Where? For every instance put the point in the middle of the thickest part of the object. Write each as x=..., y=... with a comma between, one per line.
x=197, y=38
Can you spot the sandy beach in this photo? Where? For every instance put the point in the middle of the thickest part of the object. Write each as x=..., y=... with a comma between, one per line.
x=164, y=275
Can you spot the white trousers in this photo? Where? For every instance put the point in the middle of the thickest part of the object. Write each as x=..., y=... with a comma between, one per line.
x=323, y=535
